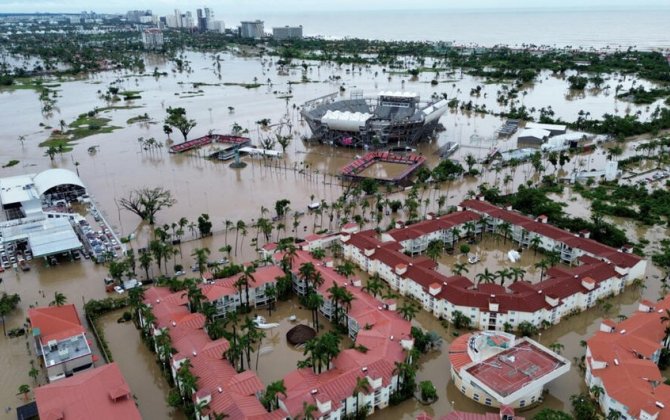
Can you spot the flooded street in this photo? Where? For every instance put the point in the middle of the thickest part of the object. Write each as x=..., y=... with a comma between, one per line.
x=118, y=164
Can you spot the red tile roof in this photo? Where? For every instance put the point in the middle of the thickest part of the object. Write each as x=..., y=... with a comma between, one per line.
x=626, y=377
x=613, y=255
x=101, y=393
x=56, y=322
x=382, y=339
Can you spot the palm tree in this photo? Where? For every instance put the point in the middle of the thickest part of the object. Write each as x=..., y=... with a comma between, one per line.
x=145, y=260
x=505, y=228
x=271, y=294
x=314, y=302
x=556, y=347
x=245, y=278
x=460, y=268
x=362, y=387
x=455, y=236
x=408, y=310
x=535, y=243
x=24, y=390
x=240, y=226
x=271, y=397
x=307, y=412
x=336, y=293
x=517, y=273
x=503, y=275
x=201, y=255
x=434, y=250
x=374, y=286
x=59, y=299
x=346, y=269
x=307, y=271
x=195, y=297
x=469, y=228
x=486, y=277
x=542, y=265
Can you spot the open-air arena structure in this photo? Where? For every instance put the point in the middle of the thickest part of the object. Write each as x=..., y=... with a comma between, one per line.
x=387, y=119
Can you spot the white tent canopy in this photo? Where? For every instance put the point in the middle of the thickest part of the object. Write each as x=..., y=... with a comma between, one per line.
x=50, y=178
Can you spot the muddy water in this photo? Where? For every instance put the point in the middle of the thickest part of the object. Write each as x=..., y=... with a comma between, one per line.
x=203, y=186
x=492, y=252
x=139, y=367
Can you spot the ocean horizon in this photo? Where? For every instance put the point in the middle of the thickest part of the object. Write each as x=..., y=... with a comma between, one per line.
x=577, y=27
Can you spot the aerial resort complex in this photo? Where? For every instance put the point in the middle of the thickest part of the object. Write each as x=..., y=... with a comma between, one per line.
x=335, y=215
x=389, y=119
x=591, y=271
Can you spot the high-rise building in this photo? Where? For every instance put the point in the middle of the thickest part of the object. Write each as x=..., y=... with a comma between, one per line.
x=287, y=32
x=252, y=29
x=152, y=38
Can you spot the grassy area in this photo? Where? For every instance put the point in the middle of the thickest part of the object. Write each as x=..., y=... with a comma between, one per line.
x=139, y=118
x=115, y=107
x=244, y=85
x=84, y=126
x=11, y=163
x=131, y=94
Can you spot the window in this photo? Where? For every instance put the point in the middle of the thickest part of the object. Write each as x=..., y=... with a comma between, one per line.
x=487, y=401
x=475, y=397
x=522, y=403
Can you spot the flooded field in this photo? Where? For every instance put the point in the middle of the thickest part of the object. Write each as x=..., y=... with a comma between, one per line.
x=117, y=164
x=384, y=170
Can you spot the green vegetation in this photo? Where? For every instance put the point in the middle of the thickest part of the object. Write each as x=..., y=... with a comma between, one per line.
x=85, y=125
x=11, y=163
x=140, y=118
x=640, y=96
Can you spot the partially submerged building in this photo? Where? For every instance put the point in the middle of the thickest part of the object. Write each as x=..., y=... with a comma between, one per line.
x=34, y=216
x=594, y=270
x=389, y=118
x=60, y=341
x=101, y=393
x=622, y=359
x=496, y=368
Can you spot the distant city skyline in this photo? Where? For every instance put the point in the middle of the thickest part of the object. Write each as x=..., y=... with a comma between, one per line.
x=238, y=7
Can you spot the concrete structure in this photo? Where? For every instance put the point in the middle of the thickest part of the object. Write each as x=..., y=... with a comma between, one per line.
x=536, y=136
x=596, y=271
x=252, y=29
x=152, y=38
x=609, y=173
x=388, y=118
x=34, y=212
x=60, y=341
x=100, y=393
x=496, y=368
x=554, y=129
x=287, y=32
x=622, y=358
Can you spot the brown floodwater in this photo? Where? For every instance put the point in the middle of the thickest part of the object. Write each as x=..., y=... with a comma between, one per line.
x=304, y=175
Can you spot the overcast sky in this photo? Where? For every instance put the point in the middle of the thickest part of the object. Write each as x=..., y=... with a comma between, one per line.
x=237, y=7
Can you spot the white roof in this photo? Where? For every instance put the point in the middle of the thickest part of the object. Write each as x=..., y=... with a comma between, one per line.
x=54, y=237
x=50, y=178
x=345, y=121
x=550, y=127
x=399, y=94
x=17, y=189
x=535, y=132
